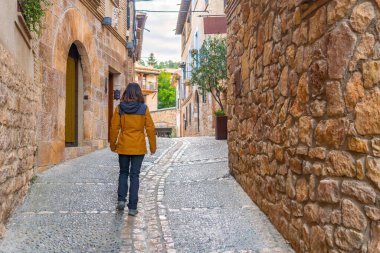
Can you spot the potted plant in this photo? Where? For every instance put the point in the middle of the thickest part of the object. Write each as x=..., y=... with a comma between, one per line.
x=209, y=71
x=221, y=125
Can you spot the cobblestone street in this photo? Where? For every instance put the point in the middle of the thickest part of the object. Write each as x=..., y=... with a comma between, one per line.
x=188, y=203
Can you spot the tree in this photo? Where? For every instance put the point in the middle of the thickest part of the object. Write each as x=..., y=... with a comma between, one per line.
x=152, y=60
x=166, y=92
x=142, y=62
x=209, y=68
x=167, y=65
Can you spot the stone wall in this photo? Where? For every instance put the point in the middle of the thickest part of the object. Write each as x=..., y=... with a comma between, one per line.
x=164, y=118
x=189, y=114
x=19, y=103
x=304, y=118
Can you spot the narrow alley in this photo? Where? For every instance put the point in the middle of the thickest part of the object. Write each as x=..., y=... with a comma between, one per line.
x=188, y=203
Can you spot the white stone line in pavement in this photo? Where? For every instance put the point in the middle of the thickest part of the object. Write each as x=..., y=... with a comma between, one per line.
x=68, y=212
x=206, y=161
x=186, y=209
x=169, y=243
x=74, y=183
x=200, y=180
x=144, y=233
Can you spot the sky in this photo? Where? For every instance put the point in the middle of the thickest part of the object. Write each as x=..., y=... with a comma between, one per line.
x=161, y=40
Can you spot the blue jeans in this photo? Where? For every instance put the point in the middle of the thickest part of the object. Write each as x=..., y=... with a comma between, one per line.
x=130, y=165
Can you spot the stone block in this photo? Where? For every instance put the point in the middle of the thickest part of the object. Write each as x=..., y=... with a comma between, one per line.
x=318, y=108
x=318, y=153
x=302, y=190
x=311, y=212
x=341, y=164
x=284, y=82
x=372, y=212
x=371, y=73
x=365, y=48
x=361, y=191
x=318, y=240
x=328, y=191
x=331, y=133
x=374, y=242
x=267, y=53
x=335, y=103
x=348, y=239
x=295, y=165
x=352, y=216
x=318, y=77
x=361, y=17
x=337, y=9
x=354, y=91
x=376, y=147
x=340, y=48
x=367, y=120
x=317, y=24
x=357, y=145
x=373, y=170
x=336, y=217
x=305, y=130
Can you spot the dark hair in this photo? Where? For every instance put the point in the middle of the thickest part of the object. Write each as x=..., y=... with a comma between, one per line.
x=133, y=93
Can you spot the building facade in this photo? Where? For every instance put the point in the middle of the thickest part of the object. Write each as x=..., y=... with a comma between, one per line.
x=147, y=78
x=304, y=118
x=57, y=88
x=194, y=20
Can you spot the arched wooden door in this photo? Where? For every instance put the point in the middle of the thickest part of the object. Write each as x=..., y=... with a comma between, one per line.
x=71, y=113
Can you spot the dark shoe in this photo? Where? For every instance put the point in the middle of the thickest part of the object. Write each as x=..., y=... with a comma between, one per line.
x=132, y=212
x=120, y=205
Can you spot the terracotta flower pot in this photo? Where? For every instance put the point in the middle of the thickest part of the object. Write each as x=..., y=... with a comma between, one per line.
x=221, y=128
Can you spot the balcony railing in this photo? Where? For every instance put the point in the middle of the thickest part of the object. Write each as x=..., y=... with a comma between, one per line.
x=148, y=85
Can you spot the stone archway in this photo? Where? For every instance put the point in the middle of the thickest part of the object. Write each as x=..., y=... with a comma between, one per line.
x=75, y=30
x=72, y=29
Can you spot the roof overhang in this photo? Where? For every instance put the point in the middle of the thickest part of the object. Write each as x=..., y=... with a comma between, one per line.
x=182, y=14
x=141, y=20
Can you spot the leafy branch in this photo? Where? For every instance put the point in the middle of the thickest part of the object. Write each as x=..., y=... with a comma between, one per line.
x=33, y=11
x=209, y=68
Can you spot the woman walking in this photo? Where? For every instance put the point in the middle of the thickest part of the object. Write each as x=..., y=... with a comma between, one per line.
x=127, y=138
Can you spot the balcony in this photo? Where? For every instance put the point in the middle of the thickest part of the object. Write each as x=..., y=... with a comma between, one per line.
x=148, y=87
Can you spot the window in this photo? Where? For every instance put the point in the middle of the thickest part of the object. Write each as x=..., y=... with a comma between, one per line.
x=196, y=41
x=189, y=65
x=204, y=96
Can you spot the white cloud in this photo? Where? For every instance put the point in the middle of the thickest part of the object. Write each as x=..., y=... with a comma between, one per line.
x=161, y=40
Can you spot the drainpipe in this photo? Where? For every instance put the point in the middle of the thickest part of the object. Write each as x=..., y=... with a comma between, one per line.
x=128, y=15
x=134, y=24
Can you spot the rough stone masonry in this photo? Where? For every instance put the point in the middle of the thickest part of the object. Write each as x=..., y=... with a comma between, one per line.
x=18, y=123
x=304, y=118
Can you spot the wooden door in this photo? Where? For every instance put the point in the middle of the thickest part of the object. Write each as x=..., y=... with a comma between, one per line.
x=110, y=103
x=70, y=116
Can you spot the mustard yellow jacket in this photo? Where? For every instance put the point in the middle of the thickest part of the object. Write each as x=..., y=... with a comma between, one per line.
x=128, y=126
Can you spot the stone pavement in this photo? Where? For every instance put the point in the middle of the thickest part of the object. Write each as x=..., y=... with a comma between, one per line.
x=71, y=208
x=188, y=203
